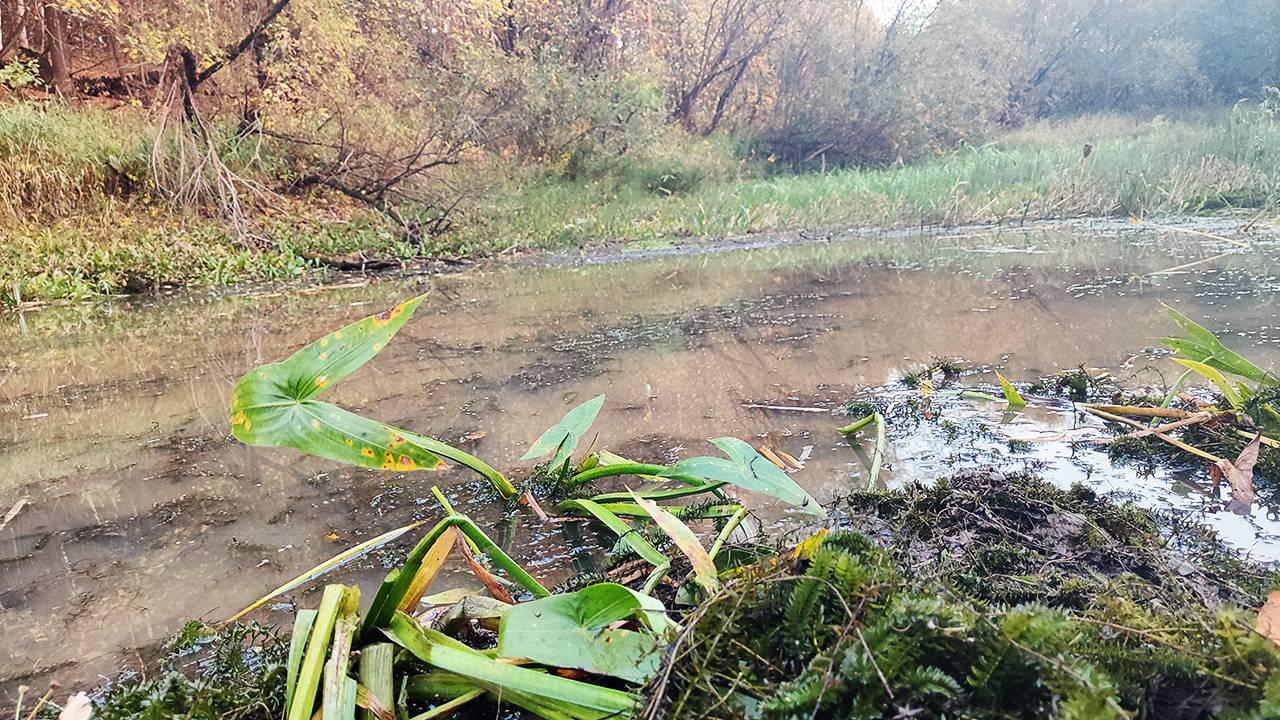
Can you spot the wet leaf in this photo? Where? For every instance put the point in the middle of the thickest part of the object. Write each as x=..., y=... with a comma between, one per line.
x=482, y=573
x=704, y=568
x=1203, y=346
x=747, y=469
x=1010, y=393
x=522, y=686
x=275, y=405
x=1269, y=617
x=562, y=438
x=77, y=707
x=578, y=630
x=13, y=512
x=1219, y=380
x=1239, y=476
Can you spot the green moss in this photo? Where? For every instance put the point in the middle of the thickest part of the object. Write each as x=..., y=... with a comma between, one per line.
x=985, y=597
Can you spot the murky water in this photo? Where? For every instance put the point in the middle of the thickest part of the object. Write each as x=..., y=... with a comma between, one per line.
x=143, y=513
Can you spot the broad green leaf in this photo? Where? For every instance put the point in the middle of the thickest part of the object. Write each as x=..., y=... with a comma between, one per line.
x=571, y=697
x=562, y=438
x=575, y=630
x=704, y=569
x=1219, y=380
x=275, y=405
x=1010, y=393
x=747, y=469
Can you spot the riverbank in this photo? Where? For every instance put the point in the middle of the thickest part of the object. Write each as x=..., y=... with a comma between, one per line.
x=80, y=219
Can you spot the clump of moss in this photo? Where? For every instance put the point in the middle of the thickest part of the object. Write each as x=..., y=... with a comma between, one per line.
x=237, y=673
x=946, y=369
x=986, y=596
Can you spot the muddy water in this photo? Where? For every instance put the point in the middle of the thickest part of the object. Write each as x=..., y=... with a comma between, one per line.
x=143, y=513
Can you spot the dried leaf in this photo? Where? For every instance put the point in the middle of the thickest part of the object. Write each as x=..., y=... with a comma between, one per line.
x=13, y=512
x=1239, y=476
x=704, y=569
x=491, y=583
x=78, y=707
x=1269, y=617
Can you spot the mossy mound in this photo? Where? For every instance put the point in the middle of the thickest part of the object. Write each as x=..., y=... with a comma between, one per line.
x=984, y=596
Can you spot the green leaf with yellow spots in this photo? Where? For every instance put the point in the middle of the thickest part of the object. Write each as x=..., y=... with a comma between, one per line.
x=275, y=405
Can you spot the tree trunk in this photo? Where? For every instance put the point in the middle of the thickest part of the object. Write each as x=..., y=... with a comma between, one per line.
x=55, y=49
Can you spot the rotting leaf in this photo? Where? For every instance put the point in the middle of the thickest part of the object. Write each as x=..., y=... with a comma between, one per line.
x=562, y=438
x=704, y=568
x=579, y=630
x=1239, y=476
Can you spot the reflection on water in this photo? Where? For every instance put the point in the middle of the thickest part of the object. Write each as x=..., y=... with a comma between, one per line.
x=142, y=513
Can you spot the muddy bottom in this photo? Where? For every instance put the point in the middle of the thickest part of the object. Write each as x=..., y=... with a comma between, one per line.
x=142, y=512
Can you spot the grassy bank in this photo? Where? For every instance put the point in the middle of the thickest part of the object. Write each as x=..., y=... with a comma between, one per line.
x=80, y=215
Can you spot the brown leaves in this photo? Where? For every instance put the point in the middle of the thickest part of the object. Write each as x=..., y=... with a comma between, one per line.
x=1269, y=617
x=1239, y=476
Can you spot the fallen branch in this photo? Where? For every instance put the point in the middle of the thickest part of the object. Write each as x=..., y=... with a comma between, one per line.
x=1143, y=411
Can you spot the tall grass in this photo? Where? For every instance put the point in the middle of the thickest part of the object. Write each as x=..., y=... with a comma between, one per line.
x=58, y=160
x=79, y=215
x=1134, y=168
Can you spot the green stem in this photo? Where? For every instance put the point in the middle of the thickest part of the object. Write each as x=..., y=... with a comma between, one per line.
x=734, y=521
x=662, y=471
x=466, y=459
x=856, y=425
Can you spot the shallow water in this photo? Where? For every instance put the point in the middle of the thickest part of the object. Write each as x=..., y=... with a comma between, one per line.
x=143, y=513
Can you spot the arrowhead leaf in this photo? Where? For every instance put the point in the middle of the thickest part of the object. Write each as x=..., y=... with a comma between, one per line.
x=275, y=405
x=562, y=438
x=577, y=630
x=747, y=469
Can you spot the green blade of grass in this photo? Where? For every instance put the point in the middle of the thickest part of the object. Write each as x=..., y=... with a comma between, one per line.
x=339, y=694
x=304, y=694
x=336, y=561
x=297, y=645
x=376, y=674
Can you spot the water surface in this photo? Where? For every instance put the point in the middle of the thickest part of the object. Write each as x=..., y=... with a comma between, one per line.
x=144, y=513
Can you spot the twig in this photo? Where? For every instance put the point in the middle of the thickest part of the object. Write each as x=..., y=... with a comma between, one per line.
x=785, y=408
x=1172, y=441
x=1185, y=422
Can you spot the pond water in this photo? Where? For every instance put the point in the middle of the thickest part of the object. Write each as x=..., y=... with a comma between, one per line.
x=142, y=512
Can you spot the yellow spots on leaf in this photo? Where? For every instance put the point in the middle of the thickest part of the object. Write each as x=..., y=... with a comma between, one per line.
x=239, y=418
x=367, y=452
x=337, y=335
x=396, y=440
x=406, y=463
x=322, y=381
x=324, y=356
x=324, y=342
x=350, y=442
x=262, y=376
x=315, y=423
x=377, y=347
